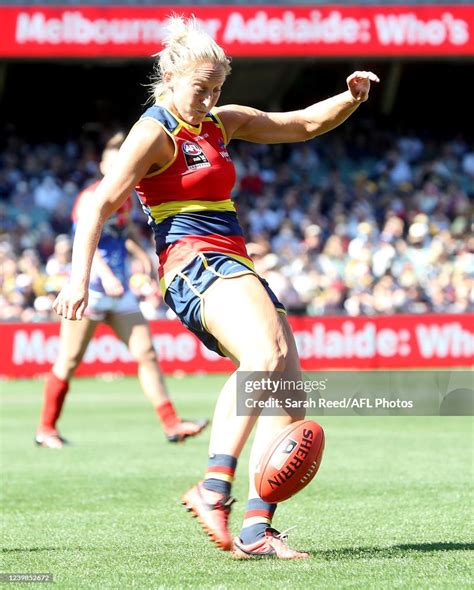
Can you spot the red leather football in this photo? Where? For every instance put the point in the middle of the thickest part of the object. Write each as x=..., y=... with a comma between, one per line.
x=290, y=462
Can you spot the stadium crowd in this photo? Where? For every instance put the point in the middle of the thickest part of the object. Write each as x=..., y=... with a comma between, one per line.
x=358, y=222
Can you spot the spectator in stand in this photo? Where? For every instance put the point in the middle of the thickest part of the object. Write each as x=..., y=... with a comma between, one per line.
x=468, y=164
x=48, y=194
x=58, y=267
x=333, y=258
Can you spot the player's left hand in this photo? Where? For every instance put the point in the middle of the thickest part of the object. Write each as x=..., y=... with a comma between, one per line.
x=359, y=84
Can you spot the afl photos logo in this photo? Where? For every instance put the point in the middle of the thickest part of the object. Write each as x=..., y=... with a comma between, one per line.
x=194, y=156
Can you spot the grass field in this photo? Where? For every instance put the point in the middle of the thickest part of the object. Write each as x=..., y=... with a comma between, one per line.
x=390, y=507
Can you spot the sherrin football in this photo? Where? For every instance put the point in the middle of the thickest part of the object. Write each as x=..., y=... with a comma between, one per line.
x=290, y=462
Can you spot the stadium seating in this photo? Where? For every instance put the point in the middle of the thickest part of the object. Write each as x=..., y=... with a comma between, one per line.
x=358, y=222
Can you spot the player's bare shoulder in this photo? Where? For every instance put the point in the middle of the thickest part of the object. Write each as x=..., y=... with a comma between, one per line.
x=150, y=132
x=149, y=137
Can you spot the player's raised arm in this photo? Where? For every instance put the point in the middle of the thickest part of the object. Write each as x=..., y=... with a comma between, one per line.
x=145, y=146
x=257, y=126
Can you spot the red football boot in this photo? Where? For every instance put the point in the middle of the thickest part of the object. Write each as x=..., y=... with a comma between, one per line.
x=50, y=439
x=213, y=516
x=185, y=429
x=273, y=544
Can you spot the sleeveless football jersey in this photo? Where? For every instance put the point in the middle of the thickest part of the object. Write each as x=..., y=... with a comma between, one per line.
x=188, y=201
x=111, y=244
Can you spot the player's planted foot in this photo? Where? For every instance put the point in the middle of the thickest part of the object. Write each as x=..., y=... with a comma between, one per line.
x=50, y=439
x=185, y=429
x=273, y=544
x=212, y=509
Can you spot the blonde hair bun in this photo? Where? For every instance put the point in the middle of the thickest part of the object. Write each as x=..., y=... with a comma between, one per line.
x=186, y=44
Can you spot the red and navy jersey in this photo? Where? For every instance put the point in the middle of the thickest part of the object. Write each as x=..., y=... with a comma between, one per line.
x=114, y=234
x=188, y=201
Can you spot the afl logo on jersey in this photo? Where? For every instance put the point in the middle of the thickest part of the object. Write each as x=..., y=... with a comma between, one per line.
x=194, y=156
x=192, y=149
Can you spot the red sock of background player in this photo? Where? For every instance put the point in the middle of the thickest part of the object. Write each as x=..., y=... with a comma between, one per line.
x=167, y=414
x=53, y=399
x=257, y=518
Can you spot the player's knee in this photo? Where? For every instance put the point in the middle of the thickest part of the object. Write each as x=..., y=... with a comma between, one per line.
x=64, y=367
x=276, y=361
x=144, y=355
x=269, y=360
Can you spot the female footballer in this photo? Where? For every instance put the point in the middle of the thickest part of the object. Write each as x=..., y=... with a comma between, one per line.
x=176, y=157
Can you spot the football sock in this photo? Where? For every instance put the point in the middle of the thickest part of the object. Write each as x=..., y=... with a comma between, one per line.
x=167, y=414
x=220, y=473
x=53, y=399
x=258, y=517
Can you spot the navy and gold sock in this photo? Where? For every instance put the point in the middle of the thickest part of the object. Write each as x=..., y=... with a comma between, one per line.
x=258, y=517
x=220, y=473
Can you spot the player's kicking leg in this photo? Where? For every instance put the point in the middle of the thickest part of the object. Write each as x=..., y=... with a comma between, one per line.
x=265, y=349
x=257, y=537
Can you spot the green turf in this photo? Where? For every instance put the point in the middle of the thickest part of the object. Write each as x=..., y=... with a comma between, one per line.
x=390, y=507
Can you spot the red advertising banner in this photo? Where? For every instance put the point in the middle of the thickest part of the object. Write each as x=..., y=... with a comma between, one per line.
x=243, y=31
x=391, y=342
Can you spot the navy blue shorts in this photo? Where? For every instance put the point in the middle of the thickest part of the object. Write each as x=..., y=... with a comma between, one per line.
x=185, y=293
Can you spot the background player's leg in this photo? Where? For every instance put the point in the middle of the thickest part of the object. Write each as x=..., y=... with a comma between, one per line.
x=133, y=330
x=73, y=342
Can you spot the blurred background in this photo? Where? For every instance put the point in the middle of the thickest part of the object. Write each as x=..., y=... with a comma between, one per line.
x=370, y=220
